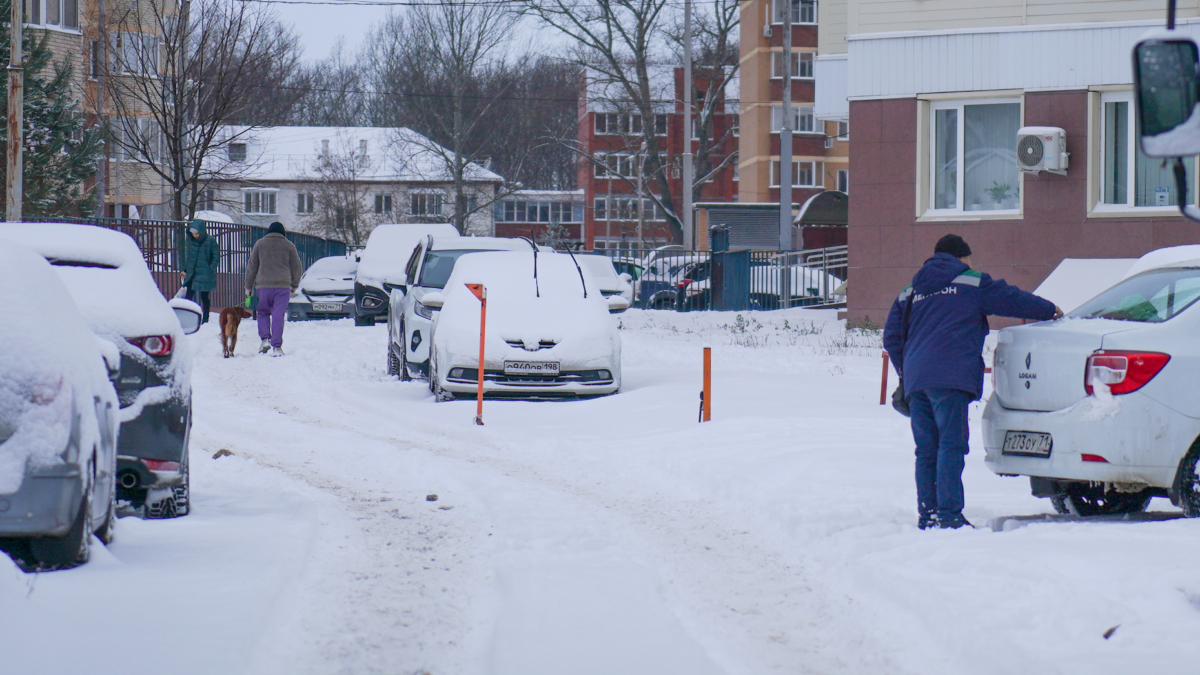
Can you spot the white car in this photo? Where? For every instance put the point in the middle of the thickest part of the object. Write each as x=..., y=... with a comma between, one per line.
x=326, y=290
x=1099, y=408
x=388, y=249
x=549, y=336
x=58, y=419
x=605, y=273
x=428, y=268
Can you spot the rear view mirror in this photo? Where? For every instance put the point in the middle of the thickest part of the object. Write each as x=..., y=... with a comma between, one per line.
x=112, y=357
x=433, y=300
x=617, y=304
x=396, y=281
x=626, y=277
x=1166, y=94
x=188, y=313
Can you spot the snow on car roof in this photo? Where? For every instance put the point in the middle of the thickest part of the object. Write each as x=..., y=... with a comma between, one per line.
x=480, y=243
x=389, y=247
x=44, y=344
x=334, y=265
x=106, y=275
x=1172, y=256
x=511, y=273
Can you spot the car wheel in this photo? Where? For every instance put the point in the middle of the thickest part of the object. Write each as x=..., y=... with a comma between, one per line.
x=183, y=493
x=364, y=320
x=105, y=531
x=393, y=363
x=1187, y=482
x=403, y=366
x=69, y=550
x=1083, y=499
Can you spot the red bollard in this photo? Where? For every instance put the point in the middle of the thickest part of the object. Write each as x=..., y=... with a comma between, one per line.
x=481, y=293
x=883, y=384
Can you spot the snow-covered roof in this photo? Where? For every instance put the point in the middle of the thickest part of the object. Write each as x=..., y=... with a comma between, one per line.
x=391, y=154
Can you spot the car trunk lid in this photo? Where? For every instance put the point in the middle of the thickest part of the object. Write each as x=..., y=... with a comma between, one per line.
x=1040, y=367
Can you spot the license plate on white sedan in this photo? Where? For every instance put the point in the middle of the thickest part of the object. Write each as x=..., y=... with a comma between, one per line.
x=531, y=367
x=327, y=306
x=1028, y=443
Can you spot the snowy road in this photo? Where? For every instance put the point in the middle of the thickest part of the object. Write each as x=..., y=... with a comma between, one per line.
x=604, y=536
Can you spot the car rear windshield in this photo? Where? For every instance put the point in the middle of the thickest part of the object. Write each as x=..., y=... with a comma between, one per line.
x=438, y=266
x=1151, y=297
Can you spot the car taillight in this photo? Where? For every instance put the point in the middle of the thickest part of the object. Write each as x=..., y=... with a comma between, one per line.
x=155, y=345
x=160, y=465
x=1123, y=371
x=684, y=282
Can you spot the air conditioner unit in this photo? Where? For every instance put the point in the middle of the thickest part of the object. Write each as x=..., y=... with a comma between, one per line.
x=1042, y=149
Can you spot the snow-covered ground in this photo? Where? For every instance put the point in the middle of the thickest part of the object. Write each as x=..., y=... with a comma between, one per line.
x=614, y=535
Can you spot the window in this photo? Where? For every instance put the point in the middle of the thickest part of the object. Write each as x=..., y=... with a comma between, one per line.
x=615, y=164
x=843, y=131
x=383, y=203
x=803, y=11
x=981, y=137
x=626, y=208
x=96, y=61
x=237, y=152
x=207, y=200
x=133, y=54
x=1129, y=179
x=802, y=64
x=64, y=13
x=427, y=204
x=258, y=201
x=843, y=180
x=136, y=139
x=802, y=119
x=804, y=173
x=736, y=168
x=627, y=123
x=304, y=202
x=536, y=212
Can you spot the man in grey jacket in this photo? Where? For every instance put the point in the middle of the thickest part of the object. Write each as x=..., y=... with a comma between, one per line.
x=273, y=270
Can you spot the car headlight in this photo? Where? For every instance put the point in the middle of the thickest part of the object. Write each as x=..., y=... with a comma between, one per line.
x=424, y=311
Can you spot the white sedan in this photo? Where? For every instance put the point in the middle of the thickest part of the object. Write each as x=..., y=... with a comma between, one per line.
x=549, y=329
x=1099, y=409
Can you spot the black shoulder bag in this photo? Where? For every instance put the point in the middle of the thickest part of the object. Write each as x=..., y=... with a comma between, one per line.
x=899, y=401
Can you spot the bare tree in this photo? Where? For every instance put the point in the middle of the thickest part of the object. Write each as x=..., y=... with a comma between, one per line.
x=617, y=42
x=333, y=91
x=343, y=207
x=178, y=73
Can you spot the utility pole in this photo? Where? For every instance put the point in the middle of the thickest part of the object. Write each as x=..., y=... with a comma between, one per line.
x=785, y=135
x=15, y=179
x=689, y=234
x=641, y=212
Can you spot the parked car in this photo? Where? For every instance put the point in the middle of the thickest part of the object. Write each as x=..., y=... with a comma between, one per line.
x=106, y=275
x=388, y=250
x=633, y=267
x=58, y=419
x=549, y=336
x=1098, y=408
x=326, y=290
x=428, y=268
x=658, y=287
x=608, y=280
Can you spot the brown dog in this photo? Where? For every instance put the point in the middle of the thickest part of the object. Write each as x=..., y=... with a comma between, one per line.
x=231, y=318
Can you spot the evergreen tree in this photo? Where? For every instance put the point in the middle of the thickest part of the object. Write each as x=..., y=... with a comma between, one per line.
x=61, y=151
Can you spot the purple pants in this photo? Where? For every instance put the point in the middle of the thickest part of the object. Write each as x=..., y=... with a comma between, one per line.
x=272, y=311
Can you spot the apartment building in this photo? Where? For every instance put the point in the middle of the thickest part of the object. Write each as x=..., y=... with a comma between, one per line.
x=610, y=138
x=553, y=217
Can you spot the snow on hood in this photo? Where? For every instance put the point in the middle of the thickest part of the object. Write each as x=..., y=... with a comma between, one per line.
x=51, y=364
x=330, y=275
x=389, y=247
x=519, y=322
x=106, y=275
x=1172, y=256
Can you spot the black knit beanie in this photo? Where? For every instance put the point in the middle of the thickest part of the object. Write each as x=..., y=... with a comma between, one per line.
x=277, y=228
x=954, y=245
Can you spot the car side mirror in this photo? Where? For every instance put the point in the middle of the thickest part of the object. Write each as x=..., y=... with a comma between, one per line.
x=112, y=357
x=1166, y=86
x=626, y=277
x=397, y=282
x=188, y=313
x=434, y=300
x=617, y=304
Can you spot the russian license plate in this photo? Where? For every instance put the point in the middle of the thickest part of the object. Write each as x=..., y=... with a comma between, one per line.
x=531, y=367
x=327, y=307
x=1030, y=443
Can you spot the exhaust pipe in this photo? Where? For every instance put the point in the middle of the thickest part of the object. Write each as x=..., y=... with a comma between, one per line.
x=129, y=479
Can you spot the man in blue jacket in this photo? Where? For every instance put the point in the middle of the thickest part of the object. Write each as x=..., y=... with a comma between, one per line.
x=934, y=336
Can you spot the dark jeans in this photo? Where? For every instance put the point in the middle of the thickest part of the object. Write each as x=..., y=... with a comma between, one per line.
x=272, y=312
x=201, y=298
x=939, y=426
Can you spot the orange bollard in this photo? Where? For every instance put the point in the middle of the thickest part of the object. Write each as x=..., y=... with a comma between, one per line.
x=706, y=396
x=883, y=384
x=481, y=293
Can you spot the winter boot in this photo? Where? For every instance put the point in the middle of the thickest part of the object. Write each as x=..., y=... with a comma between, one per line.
x=265, y=346
x=277, y=351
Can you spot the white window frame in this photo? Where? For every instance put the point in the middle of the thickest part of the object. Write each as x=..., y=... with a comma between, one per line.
x=1101, y=150
x=305, y=203
x=262, y=201
x=801, y=114
x=144, y=43
x=777, y=16
x=622, y=124
x=843, y=131
x=625, y=165
x=843, y=180
x=624, y=209
x=425, y=196
x=797, y=61
x=961, y=176
x=38, y=16
x=816, y=165
x=245, y=150
x=383, y=203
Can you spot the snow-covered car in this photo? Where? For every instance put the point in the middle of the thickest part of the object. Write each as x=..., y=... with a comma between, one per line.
x=607, y=278
x=106, y=275
x=548, y=336
x=58, y=418
x=633, y=267
x=385, y=255
x=326, y=290
x=428, y=268
x=1098, y=408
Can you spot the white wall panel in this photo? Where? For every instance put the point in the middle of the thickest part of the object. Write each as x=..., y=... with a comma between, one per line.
x=830, y=76
x=1068, y=57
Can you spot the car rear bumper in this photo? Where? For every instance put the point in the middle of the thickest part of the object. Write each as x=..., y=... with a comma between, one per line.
x=1141, y=441
x=45, y=505
x=159, y=432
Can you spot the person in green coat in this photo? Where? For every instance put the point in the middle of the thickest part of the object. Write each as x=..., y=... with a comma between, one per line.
x=201, y=254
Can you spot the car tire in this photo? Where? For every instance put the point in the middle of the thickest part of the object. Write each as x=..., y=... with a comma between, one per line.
x=364, y=320
x=1084, y=499
x=183, y=493
x=69, y=550
x=1186, y=491
x=393, y=363
x=106, y=529
x=403, y=365
x=172, y=502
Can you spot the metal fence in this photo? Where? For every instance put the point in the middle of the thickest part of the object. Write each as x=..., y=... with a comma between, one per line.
x=686, y=280
x=162, y=241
